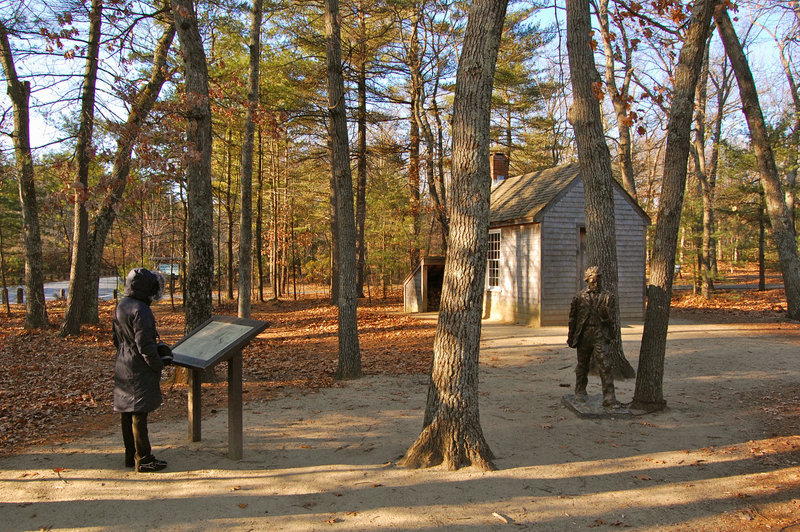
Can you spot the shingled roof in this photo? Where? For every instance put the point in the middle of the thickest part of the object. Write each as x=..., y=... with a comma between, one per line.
x=521, y=198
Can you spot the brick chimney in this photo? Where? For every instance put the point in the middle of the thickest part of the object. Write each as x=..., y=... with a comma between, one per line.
x=498, y=164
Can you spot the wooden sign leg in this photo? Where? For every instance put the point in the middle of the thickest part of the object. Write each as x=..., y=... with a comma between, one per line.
x=235, y=440
x=195, y=380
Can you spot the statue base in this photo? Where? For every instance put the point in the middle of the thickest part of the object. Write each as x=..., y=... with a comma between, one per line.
x=591, y=407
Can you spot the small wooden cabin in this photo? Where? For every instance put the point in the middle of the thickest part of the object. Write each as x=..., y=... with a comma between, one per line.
x=537, y=255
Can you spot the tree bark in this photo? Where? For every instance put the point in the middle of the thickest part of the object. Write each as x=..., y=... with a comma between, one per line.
x=197, y=109
x=120, y=172
x=779, y=216
x=83, y=154
x=451, y=432
x=649, y=394
x=349, y=366
x=19, y=92
x=595, y=163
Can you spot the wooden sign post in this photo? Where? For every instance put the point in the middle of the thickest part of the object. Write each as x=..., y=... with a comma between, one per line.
x=219, y=339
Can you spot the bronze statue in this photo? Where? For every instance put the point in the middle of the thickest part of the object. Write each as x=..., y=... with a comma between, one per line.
x=592, y=326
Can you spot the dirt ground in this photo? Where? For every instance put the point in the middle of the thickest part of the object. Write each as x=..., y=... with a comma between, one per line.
x=725, y=455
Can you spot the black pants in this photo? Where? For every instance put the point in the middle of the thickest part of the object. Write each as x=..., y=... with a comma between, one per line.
x=134, y=434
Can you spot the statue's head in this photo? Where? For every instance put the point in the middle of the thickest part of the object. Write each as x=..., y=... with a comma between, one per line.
x=593, y=277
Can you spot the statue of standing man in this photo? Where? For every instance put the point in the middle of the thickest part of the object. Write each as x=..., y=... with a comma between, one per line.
x=592, y=326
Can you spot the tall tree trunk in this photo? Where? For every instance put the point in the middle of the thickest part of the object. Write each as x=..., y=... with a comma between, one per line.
x=246, y=215
x=83, y=154
x=779, y=216
x=762, y=267
x=19, y=92
x=414, y=142
x=197, y=109
x=440, y=185
x=361, y=158
x=184, y=232
x=349, y=353
x=595, y=163
x=791, y=164
x=698, y=150
x=230, y=209
x=120, y=172
x=274, y=264
x=649, y=394
x=219, y=248
x=260, y=218
x=723, y=90
x=451, y=432
x=619, y=97
x=3, y=285
x=334, y=217
x=423, y=125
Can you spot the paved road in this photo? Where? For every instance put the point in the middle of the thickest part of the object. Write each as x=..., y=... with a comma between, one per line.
x=53, y=290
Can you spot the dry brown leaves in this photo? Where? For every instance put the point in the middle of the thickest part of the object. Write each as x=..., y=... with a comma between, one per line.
x=741, y=304
x=53, y=389
x=733, y=305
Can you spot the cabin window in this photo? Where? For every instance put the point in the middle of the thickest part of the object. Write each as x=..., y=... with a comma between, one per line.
x=493, y=267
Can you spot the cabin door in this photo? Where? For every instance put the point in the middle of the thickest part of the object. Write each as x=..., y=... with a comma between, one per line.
x=583, y=261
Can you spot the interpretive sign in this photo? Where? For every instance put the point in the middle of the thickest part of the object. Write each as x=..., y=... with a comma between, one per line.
x=215, y=341
x=219, y=339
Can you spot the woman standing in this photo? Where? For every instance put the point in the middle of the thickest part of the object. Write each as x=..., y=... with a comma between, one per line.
x=137, y=370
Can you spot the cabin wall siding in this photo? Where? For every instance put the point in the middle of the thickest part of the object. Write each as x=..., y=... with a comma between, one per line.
x=560, y=255
x=517, y=297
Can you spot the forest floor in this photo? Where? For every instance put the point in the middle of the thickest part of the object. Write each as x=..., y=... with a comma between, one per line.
x=321, y=454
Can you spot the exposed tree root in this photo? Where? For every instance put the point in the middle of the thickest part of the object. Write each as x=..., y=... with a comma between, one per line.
x=450, y=442
x=648, y=406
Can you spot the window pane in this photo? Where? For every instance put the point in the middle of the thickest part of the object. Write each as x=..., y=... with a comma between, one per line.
x=493, y=267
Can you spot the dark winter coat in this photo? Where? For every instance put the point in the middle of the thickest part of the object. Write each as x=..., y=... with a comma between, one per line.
x=137, y=370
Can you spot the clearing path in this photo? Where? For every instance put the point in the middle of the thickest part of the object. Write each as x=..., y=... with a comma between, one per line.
x=723, y=456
